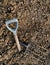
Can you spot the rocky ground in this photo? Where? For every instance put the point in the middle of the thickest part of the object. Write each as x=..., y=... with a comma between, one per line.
x=33, y=30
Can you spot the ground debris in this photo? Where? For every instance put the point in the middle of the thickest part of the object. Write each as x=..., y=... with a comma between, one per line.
x=33, y=30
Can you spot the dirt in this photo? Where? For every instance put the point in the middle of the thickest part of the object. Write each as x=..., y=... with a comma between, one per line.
x=33, y=30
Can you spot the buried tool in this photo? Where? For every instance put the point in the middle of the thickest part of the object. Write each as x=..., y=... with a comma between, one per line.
x=14, y=31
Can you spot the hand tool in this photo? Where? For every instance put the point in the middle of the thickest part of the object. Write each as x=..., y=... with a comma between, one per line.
x=14, y=31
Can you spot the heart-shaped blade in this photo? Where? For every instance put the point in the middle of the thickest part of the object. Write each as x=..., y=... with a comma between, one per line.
x=12, y=21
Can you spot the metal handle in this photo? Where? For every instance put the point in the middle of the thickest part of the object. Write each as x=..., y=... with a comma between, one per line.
x=12, y=21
